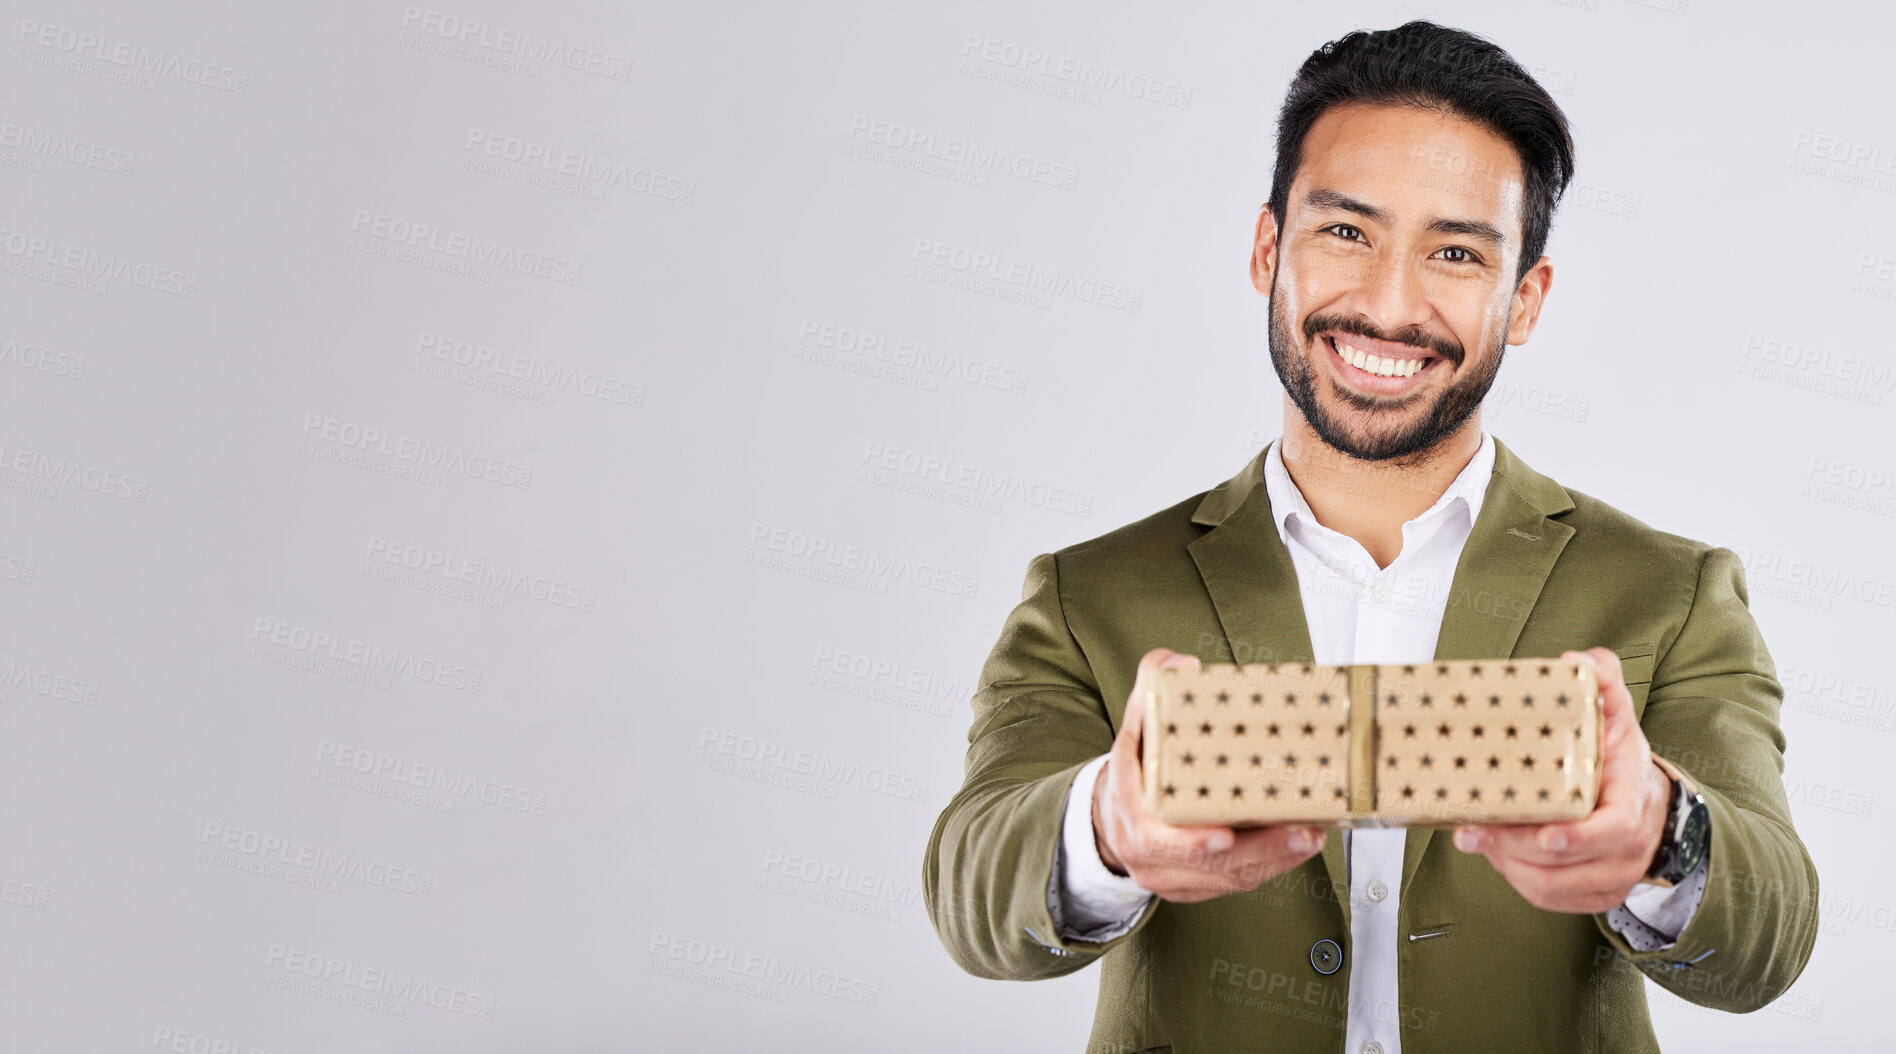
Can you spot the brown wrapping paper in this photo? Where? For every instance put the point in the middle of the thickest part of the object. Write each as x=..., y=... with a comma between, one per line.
x=1432, y=744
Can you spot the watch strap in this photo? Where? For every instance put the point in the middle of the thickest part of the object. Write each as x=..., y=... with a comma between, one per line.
x=1678, y=775
x=1680, y=797
x=1662, y=857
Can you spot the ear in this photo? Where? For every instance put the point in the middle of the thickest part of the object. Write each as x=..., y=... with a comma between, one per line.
x=1264, y=250
x=1529, y=298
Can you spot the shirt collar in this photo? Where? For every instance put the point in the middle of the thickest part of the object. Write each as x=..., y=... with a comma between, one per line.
x=1467, y=489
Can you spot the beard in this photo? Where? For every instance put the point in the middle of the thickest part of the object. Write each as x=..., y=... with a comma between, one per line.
x=1374, y=427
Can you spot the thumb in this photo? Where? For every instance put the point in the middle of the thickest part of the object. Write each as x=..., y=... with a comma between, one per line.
x=1146, y=681
x=1616, y=704
x=1124, y=762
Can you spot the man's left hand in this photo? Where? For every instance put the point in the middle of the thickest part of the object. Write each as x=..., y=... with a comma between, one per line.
x=1589, y=866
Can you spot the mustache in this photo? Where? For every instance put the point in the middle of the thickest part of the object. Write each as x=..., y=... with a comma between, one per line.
x=1412, y=337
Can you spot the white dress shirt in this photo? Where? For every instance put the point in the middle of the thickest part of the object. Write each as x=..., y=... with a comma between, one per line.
x=1357, y=613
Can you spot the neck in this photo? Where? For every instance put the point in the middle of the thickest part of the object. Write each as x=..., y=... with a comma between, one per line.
x=1371, y=500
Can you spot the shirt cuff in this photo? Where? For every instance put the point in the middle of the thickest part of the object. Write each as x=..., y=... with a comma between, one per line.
x=1652, y=917
x=1088, y=901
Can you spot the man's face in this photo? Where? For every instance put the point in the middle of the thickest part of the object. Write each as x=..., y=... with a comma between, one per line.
x=1391, y=285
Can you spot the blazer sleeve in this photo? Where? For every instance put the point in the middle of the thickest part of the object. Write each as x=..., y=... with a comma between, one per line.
x=1038, y=718
x=1712, y=710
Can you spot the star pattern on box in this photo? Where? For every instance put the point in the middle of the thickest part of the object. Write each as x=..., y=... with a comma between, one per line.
x=1428, y=744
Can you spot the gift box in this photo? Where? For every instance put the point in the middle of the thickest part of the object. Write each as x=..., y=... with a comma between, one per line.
x=1431, y=744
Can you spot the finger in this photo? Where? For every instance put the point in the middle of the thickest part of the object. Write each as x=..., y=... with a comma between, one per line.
x=1540, y=844
x=1160, y=658
x=1295, y=842
x=1125, y=748
x=1122, y=766
x=1623, y=823
x=1621, y=828
x=1144, y=682
x=1615, y=700
x=1146, y=834
x=1126, y=745
x=1120, y=794
x=1620, y=810
x=1154, y=840
x=1260, y=854
x=1581, y=888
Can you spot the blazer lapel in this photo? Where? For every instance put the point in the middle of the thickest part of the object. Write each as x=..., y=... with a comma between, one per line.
x=1253, y=587
x=1498, y=579
x=1248, y=572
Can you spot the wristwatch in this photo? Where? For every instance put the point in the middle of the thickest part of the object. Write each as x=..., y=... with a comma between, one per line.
x=1687, y=836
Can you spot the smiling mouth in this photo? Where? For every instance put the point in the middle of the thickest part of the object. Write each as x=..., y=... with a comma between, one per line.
x=1377, y=365
x=1389, y=371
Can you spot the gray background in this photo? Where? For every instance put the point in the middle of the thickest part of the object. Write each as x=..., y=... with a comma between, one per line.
x=633, y=725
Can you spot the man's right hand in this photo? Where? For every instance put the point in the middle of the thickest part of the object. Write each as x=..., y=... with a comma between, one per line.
x=1181, y=864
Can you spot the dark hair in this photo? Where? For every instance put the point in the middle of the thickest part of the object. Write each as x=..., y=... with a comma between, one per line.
x=1422, y=64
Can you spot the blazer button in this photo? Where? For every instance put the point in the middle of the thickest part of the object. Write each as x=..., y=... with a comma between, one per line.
x=1326, y=956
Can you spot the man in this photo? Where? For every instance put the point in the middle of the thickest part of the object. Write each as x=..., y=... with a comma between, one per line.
x=1417, y=174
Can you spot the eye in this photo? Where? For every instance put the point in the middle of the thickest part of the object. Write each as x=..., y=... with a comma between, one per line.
x=1466, y=256
x=1340, y=228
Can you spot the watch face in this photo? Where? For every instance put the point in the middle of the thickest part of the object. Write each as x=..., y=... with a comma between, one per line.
x=1694, y=834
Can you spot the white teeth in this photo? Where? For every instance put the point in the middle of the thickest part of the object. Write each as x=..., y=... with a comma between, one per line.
x=1376, y=364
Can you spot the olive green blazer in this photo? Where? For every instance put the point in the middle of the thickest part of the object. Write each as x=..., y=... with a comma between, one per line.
x=1546, y=569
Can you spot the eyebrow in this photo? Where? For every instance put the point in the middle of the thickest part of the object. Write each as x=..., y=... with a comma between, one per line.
x=1339, y=201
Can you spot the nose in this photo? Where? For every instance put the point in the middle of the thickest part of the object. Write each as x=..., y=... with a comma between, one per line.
x=1391, y=292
